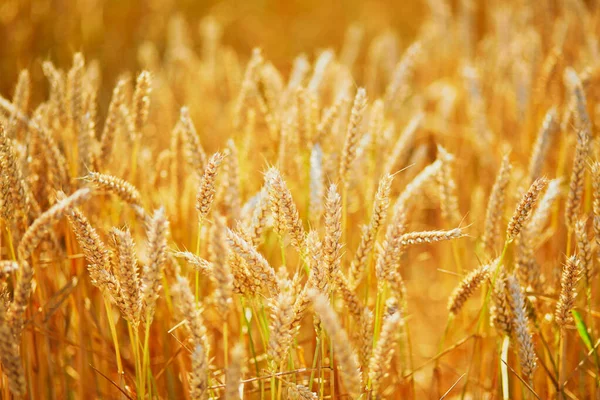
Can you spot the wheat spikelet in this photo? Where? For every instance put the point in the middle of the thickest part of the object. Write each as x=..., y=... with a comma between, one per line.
x=501, y=313
x=576, y=184
x=259, y=217
x=391, y=249
x=521, y=331
x=542, y=144
x=15, y=204
x=447, y=187
x=382, y=355
x=568, y=286
x=218, y=252
x=57, y=91
x=412, y=238
x=280, y=337
x=328, y=118
x=57, y=165
x=596, y=203
x=369, y=234
x=233, y=378
x=402, y=146
x=575, y=197
x=273, y=89
x=42, y=225
x=119, y=187
x=417, y=185
x=584, y=250
x=321, y=65
x=125, y=268
x=548, y=70
x=198, y=378
x=96, y=253
x=346, y=356
x=231, y=171
x=467, y=286
x=258, y=267
x=352, y=136
x=141, y=101
x=495, y=207
x=10, y=358
x=396, y=89
x=299, y=392
x=524, y=208
x=317, y=185
x=188, y=308
x=332, y=247
x=319, y=278
x=477, y=106
x=16, y=126
x=75, y=93
x=16, y=312
x=579, y=98
x=112, y=121
x=248, y=84
x=194, y=152
x=351, y=299
x=284, y=209
x=363, y=336
x=206, y=190
x=157, y=230
x=199, y=263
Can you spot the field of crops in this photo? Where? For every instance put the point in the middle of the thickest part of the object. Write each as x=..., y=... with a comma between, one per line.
x=299, y=200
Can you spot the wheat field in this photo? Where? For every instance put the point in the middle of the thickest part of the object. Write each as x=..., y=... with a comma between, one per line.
x=299, y=200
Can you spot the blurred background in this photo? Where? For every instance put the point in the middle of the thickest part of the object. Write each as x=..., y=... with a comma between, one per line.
x=112, y=31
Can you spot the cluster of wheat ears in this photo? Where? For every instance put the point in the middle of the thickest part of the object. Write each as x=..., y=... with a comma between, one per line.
x=371, y=223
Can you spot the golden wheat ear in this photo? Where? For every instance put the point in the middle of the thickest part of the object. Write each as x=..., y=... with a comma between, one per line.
x=525, y=208
x=467, y=286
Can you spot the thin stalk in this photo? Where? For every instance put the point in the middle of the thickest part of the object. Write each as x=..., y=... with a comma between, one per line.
x=331, y=371
x=314, y=361
x=133, y=339
x=197, y=274
x=482, y=313
x=562, y=363
x=504, y=368
x=322, y=374
x=146, y=356
x=381, y=296
x=115, y=339
x=252, y=349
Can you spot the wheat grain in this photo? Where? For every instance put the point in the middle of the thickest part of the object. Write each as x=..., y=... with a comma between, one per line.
x=158, y=228
x=352, y=136
x=369, y=234
x=467, y=286
x=568, y=285
x=495, y=207
x=206, y=190
x=521, y=331
x=233, y=379
x=347, y=359
x=524, y=208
